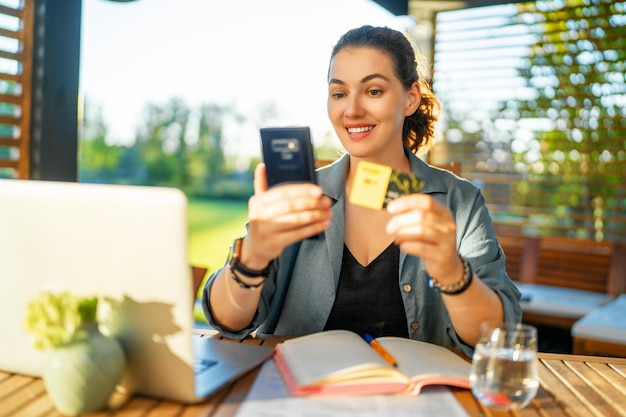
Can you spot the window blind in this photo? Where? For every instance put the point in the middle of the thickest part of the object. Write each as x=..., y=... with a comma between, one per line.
x=534, y=107
x=16, y=40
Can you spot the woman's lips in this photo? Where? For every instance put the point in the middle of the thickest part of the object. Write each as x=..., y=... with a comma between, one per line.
x=359, y=132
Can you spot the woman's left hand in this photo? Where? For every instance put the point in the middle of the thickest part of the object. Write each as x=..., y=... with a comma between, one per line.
x=423, y=227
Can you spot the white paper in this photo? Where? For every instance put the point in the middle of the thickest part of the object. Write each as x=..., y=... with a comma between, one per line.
x=268, y=397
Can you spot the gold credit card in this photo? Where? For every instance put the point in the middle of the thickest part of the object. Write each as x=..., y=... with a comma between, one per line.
x=376, y=185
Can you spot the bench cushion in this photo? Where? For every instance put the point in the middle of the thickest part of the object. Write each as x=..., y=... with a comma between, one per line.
x=606, y=323
x=558, y=301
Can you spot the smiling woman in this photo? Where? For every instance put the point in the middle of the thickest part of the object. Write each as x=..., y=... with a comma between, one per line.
x=315, y=259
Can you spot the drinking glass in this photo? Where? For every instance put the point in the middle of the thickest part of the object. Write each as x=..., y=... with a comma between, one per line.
x=504, y=366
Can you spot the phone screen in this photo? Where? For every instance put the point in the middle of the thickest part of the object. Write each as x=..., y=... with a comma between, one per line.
x=288, y=155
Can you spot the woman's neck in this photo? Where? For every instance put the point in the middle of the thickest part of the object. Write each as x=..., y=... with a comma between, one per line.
x=396, y=162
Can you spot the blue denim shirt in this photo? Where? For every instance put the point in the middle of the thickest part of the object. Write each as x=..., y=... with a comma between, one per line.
x=302, y=304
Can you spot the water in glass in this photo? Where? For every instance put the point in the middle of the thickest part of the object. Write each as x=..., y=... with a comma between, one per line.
x=504, y=367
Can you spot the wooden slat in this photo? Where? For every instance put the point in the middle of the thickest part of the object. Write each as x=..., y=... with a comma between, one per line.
x=28, y=20
x=615, y=378
x=545, y=405
x=584, y=346
x=209, y=407
x=578, y=264
x=602, y=399
x=548, y=320
x=531, y=259
x=522, y=253
x=15, y=405
x=11, y=55
x=137, y=406
x=513, y=248
x=577, y=245
x=8, y=163
x=4, y=376
x=14, y=384
x=617, y=270
x=11, y=98
x=10, y=77
x=562, y=383
x=10, y=120
x=468, y=402
x=9, y=142
x=572, y=263
x=11, y=34
x=10, y=11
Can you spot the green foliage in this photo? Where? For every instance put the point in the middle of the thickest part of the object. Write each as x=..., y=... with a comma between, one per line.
x=54, y=318
x=575, y=71
x=165, y=153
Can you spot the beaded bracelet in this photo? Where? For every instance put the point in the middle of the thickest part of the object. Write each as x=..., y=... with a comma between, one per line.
x=457, y=287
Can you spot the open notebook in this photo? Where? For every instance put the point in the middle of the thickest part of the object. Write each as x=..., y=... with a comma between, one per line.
x=128, y=243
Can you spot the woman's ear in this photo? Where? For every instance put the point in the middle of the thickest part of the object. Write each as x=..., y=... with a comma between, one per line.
x=414, y=97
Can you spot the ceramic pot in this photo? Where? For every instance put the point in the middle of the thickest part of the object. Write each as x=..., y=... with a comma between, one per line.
x=81, y=376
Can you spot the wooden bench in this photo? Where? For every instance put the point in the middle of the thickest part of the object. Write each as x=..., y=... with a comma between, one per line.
x=563, y=279
x=603, y=331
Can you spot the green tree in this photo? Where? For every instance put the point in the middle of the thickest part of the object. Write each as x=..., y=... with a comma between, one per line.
x=172, y=148
x=162, y=144
x=577, y=70
x=210, y=140
x=99, y=161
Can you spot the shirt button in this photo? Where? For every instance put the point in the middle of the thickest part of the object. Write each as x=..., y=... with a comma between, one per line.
x=406, y=288
x=415, y=325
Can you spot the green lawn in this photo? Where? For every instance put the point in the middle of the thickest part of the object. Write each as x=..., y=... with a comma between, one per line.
x=213, y=225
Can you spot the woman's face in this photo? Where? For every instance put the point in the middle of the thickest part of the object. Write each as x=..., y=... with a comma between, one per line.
x=367, y=103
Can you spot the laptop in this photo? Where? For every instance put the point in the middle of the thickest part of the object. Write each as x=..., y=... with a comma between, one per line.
x=125, y=244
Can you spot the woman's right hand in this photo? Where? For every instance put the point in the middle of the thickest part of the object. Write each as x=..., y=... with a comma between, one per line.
x=281, y=216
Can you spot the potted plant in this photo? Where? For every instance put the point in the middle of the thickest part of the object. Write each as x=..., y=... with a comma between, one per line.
x=82, y=365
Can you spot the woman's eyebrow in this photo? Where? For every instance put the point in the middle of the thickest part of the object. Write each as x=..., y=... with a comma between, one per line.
x=363, y=81
x=372, y=77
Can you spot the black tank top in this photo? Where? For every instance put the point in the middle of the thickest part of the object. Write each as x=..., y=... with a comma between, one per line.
x=368, y=299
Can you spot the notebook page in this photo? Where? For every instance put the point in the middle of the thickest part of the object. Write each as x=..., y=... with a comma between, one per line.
x=268, y=396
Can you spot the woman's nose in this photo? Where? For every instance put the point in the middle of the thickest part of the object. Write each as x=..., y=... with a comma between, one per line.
x=353, y=108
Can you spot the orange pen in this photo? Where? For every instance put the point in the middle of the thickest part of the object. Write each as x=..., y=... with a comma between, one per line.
x=380, y=349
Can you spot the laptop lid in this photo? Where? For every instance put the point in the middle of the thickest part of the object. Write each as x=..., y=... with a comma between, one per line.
x=127, y=244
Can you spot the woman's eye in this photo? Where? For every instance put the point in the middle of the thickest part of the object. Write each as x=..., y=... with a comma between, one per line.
x=337, y=95
x=375, y=92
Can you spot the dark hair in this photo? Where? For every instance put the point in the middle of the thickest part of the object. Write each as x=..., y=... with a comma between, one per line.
x=418, y=130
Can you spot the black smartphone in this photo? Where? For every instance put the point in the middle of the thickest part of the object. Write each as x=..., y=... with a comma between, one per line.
x=288, y=155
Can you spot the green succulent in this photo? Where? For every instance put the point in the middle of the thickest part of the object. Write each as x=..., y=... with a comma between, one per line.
x=54, y=318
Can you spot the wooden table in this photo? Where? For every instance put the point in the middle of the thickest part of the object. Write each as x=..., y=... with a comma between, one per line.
x=571, y=385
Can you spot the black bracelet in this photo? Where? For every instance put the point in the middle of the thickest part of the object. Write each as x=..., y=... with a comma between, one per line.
x=243, y=284
x=234, y=257
x=457, y=287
